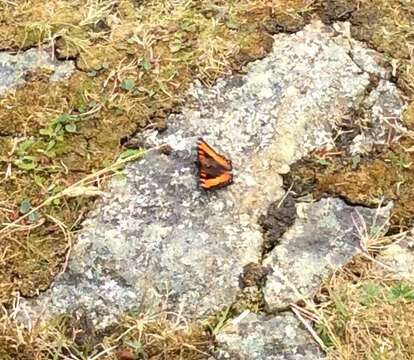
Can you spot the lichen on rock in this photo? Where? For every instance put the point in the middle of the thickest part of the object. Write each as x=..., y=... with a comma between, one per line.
x=13, y=68
x=156, y=233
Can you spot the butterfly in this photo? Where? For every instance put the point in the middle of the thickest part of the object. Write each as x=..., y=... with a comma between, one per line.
x=214, y=170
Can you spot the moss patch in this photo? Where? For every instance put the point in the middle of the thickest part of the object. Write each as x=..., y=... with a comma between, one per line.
x=384, y=176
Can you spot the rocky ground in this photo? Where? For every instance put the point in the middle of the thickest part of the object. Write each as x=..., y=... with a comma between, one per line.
x=321, y=143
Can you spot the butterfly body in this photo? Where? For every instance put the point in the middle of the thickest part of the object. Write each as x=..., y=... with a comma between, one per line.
x=214, y=169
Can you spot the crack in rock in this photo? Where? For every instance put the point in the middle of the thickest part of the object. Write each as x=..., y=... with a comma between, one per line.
x=326, y=234
x=161, y=234
x=367, y=60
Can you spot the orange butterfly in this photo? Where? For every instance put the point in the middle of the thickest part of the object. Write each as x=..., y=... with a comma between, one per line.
x=214, y=169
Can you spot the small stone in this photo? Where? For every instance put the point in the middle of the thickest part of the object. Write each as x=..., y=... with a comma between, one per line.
x=259, y=337
x=17, y=69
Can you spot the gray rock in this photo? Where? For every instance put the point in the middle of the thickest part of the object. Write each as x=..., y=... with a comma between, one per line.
x=399, y=258
x=257, y=337
x=156, y=233
x=324, y=237
x=368, y=60
x=13, y=68
x=382, y=123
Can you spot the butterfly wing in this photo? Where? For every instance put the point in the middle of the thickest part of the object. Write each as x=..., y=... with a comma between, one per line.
x=217, y=182
x=214, y=169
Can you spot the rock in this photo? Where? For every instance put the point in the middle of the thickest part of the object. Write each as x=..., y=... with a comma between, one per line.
x=14, y=68
x=324, y=237
x=399, y=258
x=368, y=60
x=385, y=108
x=155, y=233
x=257, y=337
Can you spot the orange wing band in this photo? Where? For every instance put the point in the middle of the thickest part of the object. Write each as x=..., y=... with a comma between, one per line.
x=220, y=181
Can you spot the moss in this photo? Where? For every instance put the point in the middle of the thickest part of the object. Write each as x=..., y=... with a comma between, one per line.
x=388, y=177
x=81, y=99
x=29, y=23
x=409, y=117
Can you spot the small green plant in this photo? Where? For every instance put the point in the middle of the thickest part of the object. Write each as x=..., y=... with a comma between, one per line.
x=220, y=321
x=55, y=132
x=322, y=161
x=145, y=64
x=323, y=332
x=401, y=291
x=87, y=106
x=400, y=161
x=128, y=85
x=137, y=347
x=178, y=44
x=25, y=207
x=370, y=294
x=341, y=308
x=26, y=161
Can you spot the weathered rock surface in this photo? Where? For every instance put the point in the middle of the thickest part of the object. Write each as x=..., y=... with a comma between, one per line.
x=399, y=257
x=13, y=68
x=384, y=108
x=156, y=231
x=256, y=337
x=324, y=237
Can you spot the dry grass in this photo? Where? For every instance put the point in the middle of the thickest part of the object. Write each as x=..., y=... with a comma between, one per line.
x=153, y=334
x=363, y=311
x=366, y=315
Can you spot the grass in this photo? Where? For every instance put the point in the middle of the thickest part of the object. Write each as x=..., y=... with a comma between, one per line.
x=156, y=334
x=59, y=142
x=366, y=315
x=363, y=311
